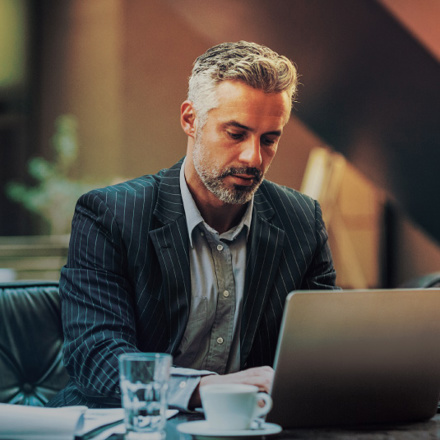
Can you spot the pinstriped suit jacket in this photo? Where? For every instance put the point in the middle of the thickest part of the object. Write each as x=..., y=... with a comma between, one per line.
x=127, y=286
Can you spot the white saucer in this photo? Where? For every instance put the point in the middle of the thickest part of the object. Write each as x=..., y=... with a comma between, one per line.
x=201, y=429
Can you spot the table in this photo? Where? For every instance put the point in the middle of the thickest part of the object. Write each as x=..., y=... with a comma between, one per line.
x=415, y=431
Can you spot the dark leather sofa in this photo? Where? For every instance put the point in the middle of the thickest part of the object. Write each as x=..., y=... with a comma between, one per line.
x=31, y=338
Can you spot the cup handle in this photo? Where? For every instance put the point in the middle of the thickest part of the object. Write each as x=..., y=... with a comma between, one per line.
x=261, y=411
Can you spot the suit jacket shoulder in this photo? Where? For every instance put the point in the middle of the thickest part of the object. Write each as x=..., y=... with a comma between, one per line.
x=143, y=187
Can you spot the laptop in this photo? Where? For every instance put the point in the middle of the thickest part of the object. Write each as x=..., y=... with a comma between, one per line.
x=357, y=357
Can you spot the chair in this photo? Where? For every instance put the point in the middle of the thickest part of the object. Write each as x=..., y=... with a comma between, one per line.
x=424, y=281
x=323, y=179
x=31, y=339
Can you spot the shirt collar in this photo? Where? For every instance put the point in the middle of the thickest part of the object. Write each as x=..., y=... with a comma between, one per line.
x=194, y=218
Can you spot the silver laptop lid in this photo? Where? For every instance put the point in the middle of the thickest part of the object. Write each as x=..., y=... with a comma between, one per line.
x=357, y=357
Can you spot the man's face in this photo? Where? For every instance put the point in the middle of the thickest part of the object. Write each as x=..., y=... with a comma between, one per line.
x=234, y=149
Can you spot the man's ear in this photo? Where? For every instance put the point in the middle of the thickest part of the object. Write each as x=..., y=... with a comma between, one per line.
x=188, y=118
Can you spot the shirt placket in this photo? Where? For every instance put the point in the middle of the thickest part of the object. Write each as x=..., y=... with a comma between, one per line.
x=223, y=325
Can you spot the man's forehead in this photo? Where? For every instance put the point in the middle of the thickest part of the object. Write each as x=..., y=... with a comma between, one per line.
x=241, y=101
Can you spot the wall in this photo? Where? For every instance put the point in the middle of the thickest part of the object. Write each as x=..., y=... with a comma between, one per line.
x=80, y=70
x=122, y=69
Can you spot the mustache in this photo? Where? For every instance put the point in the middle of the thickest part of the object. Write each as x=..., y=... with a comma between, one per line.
x=255, y=172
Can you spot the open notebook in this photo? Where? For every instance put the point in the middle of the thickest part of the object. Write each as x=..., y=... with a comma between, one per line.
x=357, y=357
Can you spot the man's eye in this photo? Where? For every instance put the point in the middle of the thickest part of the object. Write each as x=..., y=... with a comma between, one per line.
x=236, y=136
x=268, y=141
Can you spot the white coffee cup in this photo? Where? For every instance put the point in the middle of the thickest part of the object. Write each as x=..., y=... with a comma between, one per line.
x=233, y=406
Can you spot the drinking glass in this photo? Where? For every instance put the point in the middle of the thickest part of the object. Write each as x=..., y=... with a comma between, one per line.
x=144, y=379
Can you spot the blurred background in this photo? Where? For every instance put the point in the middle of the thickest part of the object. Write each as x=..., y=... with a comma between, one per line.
x=90, y=94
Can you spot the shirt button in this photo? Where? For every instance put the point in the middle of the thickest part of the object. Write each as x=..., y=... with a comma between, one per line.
x=225, y=293
x=182, y=384
x=219, y=247
x=220, y=340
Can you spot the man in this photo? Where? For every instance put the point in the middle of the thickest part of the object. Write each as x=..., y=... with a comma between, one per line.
x=198, y=259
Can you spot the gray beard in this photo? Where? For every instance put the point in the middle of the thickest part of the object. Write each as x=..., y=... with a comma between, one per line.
x=213, y=179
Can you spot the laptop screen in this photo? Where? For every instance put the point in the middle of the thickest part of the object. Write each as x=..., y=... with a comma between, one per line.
x=357, y=357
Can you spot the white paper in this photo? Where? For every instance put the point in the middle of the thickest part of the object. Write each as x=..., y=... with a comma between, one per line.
x=20, y=422
x=95, y=417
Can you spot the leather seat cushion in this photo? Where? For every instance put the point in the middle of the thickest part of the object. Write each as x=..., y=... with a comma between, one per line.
x=31, y=366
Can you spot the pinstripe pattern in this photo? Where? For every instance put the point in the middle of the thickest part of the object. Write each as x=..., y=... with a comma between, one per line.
x=126, y=285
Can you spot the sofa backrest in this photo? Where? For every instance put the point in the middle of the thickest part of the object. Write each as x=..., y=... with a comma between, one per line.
x=31, y=339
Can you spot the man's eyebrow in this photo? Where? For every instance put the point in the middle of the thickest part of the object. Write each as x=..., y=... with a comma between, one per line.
x=237, y=125
x=245, y=127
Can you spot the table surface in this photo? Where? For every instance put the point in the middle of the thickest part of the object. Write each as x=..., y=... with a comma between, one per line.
x=423, y=430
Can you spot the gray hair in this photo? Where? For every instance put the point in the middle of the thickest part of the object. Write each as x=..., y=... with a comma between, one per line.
x=255, y=65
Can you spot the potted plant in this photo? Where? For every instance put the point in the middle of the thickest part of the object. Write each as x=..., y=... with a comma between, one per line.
x=55, y=193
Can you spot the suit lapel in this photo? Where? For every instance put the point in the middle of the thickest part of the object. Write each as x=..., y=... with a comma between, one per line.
x=264, y=250
x=170, y=240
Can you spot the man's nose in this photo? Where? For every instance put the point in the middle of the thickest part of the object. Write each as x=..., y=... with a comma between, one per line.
x=251, y=153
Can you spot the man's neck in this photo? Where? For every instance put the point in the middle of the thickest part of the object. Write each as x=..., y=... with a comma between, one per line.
x=223, y=217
